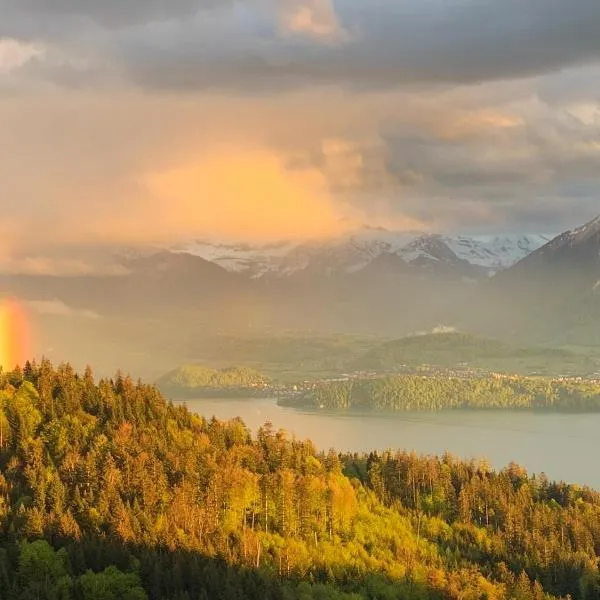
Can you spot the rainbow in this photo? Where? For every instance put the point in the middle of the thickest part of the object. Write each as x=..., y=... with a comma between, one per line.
x=14, y=334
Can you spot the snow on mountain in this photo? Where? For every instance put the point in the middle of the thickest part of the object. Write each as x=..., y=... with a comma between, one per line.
x=355, y=252
x=496, y=252
x=254, y=261
x=343, y=255
x=429, y=250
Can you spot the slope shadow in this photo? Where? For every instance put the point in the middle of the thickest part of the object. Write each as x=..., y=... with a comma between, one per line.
x=167, y=574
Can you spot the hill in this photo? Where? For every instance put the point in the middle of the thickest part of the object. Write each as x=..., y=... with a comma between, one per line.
x=195, y=379
x=109, y=492
x=285, y=357
x=453, y=349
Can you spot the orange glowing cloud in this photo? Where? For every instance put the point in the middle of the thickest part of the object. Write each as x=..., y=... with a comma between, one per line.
x=14, y=334
x=461, y=125
x=247, y=195
x=313, y=18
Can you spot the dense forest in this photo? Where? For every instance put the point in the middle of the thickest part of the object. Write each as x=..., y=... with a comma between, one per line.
x=107, y=491
x=431, y=393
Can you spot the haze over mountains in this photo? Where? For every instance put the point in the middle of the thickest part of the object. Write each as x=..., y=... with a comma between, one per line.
x=375, y=283
x=552, y=294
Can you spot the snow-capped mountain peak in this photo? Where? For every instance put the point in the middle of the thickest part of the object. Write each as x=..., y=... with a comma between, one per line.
x=354, y=252
x=254, y=261
x=496, y=252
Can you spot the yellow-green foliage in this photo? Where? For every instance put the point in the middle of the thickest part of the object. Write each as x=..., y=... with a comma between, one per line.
x=131, y=497
x=198, y=376
x=413, y=392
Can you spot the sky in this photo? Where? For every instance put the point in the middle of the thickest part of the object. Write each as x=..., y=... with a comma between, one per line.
x=129, y=122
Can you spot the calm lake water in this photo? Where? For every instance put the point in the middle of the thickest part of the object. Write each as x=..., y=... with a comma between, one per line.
x=564, y=446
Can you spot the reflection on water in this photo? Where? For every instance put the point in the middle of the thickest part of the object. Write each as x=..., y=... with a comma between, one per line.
x=564, y=446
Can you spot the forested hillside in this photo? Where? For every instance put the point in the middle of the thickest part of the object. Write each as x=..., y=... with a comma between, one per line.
x=194, y=379
x=107, y=492
x=430, y=393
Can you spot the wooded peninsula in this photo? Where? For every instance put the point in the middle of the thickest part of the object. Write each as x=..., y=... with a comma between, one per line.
x=434, y=393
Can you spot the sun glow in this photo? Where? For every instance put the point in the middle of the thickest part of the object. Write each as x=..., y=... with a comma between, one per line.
x=245, y=194
x=14, y=334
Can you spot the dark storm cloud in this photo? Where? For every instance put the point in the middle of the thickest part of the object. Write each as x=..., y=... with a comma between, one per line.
x=388, y=43
x=181, y=44
x=51, y=18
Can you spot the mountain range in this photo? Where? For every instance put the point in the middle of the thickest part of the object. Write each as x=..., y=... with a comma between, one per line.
x=465, y=255
x=159, y=303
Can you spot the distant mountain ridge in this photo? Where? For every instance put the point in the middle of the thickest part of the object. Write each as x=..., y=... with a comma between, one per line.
x=579, y=247
x=464, y=255
x=551, y=294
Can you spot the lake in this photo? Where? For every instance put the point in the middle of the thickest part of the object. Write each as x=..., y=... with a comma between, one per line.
x=563, y=446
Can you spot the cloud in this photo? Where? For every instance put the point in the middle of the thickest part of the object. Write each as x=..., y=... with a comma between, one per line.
x=243, y=193
x=151, y=120
x=15, y=54
x=393, y=44
x=205, y=44
x=59, y=308
x=57, y=267
x=529, y=170
x=313, y=18
x=51, y=17
x=125, y=168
